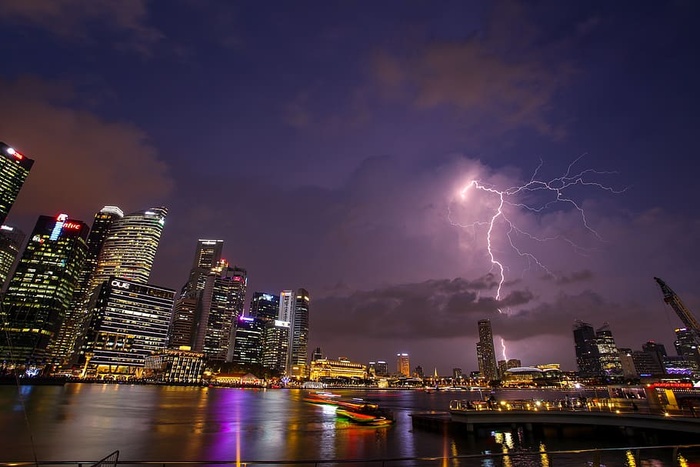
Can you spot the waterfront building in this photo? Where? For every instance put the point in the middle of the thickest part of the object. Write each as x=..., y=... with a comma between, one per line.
x=129, y=321
x=76, y=319
x=418, y=372
x=276, y=345
x=299, y=335
x=586, y=350
x=687, y=345
x=11, y=240
x=679, y=366
x=220, y=304
x=324, y=369
x=14, y=168
x=485, y=352
x=504, y=365
x=207, y=258
x=247, y=342
x=608, y=355
x=174, y=366
x=40, y=291
x=264, y=306
x=403, y=366
x=457, y=374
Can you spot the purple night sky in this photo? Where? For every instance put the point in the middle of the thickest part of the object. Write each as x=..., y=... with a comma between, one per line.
x=328, y=144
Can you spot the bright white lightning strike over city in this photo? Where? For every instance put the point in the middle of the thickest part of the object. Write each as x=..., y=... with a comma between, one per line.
x=483, y=208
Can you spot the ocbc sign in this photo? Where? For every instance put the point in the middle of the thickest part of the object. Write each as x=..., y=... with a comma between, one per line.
x=120, y=284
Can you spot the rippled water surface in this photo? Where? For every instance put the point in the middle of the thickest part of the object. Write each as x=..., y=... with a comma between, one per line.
x=88, y=421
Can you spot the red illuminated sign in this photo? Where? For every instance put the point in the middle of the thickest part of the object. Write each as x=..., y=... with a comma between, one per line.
x=671, y=385
x=71, y=225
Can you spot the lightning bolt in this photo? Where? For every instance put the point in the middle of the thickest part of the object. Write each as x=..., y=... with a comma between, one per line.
x=536, y=196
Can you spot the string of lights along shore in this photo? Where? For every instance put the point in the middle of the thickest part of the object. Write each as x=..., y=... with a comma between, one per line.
x=77, y=300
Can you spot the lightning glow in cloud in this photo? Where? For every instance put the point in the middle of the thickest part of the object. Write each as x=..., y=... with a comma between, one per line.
x=536, y=196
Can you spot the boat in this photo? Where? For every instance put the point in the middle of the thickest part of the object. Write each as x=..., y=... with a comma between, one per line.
x=356, y=410
x=365, y=414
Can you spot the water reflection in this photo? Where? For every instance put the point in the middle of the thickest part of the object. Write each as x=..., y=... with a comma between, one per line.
x=87, y=421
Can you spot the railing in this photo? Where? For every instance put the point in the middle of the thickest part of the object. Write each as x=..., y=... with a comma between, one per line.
x=676, y=455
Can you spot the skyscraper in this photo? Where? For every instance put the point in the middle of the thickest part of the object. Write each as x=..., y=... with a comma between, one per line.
x=14, y=168
x=207, y=257
x=586, y=350
x=264, y=306
x=247, y=344
x=75, y=322
x=687, y=346
x=130, y=246
x=219, y=306
x=403, y=365
x=129, y=321
x=299, y=338
x=485, y=352
x=608, y=355
x=127, y=253
x=11, y=240
x=40, y=291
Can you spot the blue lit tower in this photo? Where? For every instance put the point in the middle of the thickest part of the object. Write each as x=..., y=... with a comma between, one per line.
x=41, y=289
x=14, y=168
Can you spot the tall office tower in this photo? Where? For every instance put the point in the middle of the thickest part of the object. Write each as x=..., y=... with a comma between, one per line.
x=14, y=168
x=403, y=366
x=586, y=350
x=11, y=240
x=76, y=318
x=286, y=309
x=276, y=345
x=41, y=289
x=247, y=343
x=317, y=354
x=130, y=247
x=207, y=257
x=128, y=322
x=608, y=355
x=264, y=306
x=220, y=304
x=485, y=353
x=686, y=345
x=299, y=338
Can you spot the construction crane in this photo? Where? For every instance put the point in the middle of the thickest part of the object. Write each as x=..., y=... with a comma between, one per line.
x=683, y=313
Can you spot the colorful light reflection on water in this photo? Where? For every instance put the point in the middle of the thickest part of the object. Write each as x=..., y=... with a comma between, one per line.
x=87, y=421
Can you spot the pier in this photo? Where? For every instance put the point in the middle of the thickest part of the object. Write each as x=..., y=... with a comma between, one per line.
x=472, y=416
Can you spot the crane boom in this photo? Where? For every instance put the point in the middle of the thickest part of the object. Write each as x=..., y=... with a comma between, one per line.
x=674, y=300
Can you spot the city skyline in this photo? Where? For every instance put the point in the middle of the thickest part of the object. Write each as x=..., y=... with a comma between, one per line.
x=364, y=158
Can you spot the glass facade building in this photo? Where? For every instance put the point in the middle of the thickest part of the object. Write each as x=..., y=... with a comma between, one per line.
x=14, y=168
x=485, y=352
x=40, y=291
x=130, y=246
x=299, y=336
x=129, y=321
x=248, y=339
x=11, y=240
